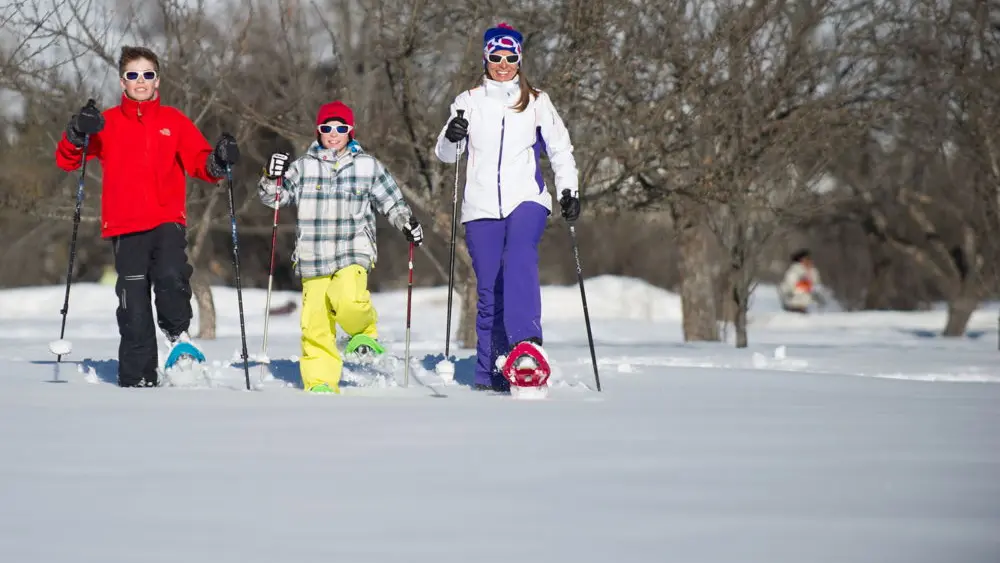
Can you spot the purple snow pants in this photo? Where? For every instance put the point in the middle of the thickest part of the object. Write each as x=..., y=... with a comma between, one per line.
x=504, y=256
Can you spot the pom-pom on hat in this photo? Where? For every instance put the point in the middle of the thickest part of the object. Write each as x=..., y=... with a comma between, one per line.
x=503, y=37
x=336, y=110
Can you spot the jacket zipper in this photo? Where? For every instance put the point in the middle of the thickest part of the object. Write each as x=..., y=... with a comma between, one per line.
x=503, y=124
x=149, y=165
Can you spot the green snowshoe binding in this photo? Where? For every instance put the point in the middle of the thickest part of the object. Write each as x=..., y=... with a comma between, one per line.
x=363, y=348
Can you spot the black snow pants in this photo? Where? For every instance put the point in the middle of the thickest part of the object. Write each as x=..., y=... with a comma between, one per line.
x=147, y=263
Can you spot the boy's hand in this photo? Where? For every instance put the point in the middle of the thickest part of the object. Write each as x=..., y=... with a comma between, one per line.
x=226, y=151
x=88, y=122
x=277, y=165
x=414, y=232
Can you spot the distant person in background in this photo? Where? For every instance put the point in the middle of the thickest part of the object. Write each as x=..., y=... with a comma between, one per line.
x=801, y=285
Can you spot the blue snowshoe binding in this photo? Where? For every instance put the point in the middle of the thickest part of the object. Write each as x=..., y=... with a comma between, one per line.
x=183, y=349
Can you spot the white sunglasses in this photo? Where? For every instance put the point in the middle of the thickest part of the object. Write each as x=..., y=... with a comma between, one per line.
x=343, y=129
x=133, y=75
x=511, y=59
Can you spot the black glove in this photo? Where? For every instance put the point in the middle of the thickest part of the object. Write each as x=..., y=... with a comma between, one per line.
x=225, y=153
x=570, y=206
x=458, y=129
x=413, y=231
x=89, y=121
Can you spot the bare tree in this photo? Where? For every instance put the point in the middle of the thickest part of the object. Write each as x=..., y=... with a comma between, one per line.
x=784, y=87
x=701, y=130
x=929, y=189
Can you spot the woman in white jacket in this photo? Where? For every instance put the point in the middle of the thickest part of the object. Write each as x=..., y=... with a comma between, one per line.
x=506, y=125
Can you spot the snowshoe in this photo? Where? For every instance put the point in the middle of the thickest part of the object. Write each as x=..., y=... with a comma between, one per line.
x=185, y=364
x=142, y=383
x=324, y=388
x=527, y=369
x=182, y=352
x=367, y=363
x=363, y=348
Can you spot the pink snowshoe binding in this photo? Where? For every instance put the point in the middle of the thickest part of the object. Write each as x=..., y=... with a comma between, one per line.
x=527, y=366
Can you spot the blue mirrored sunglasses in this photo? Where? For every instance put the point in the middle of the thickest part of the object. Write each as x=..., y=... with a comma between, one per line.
x=134, y=75
x=341, y=128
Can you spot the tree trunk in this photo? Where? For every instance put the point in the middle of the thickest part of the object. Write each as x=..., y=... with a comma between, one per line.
x=206, y=306
x=959, y=312
x=741, y=302
x=698, y=306
x=877, y=292
x=467, y=323
x=199, y=281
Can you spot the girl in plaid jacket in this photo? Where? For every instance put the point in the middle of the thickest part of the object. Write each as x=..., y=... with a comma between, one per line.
x=336, y=187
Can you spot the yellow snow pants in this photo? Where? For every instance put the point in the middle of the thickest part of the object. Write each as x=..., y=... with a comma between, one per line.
x=327, y=301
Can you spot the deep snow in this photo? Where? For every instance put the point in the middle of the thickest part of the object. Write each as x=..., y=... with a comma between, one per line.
x=840, y=437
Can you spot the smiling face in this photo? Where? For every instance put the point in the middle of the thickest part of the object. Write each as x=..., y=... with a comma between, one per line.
x=140, y=81
x=502, y=65
x=331, y=138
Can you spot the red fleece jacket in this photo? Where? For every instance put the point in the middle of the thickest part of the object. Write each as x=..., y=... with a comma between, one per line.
x=145, y=150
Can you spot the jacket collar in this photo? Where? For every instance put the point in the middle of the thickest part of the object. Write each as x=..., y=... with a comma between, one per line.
x=341, y=160
x=137, y=110
x=503, y=91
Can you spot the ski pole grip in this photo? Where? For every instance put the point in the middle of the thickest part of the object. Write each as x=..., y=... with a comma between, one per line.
x=461, y=144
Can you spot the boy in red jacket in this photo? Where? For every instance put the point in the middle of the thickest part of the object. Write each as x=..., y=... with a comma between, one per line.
x=146, y=151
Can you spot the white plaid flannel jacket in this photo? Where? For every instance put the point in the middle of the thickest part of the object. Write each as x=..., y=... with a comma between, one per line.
x=336, y=199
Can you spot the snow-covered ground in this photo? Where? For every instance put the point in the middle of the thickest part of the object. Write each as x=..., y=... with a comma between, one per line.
x=838, y=437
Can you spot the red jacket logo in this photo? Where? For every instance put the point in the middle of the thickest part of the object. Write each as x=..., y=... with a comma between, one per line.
x=165, y=132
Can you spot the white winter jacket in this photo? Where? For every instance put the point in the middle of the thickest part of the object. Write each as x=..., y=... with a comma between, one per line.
x=799, y=286
x=504, y=150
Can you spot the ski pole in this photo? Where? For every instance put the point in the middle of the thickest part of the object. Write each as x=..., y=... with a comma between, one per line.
x=270, y=274
x=72, y=243
x=583, y=295
x=409, y=305
x=236, y=266
x=454, y=233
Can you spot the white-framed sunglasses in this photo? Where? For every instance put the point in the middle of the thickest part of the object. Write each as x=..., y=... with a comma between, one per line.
x=133, y=75
x=341, y=128
x=496, y=59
